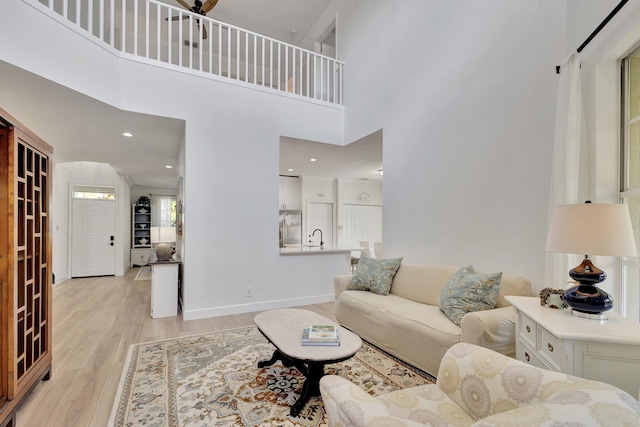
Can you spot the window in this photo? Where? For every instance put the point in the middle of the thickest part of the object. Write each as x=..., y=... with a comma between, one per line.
x=630, y=178
x=163, y=209
x=94, y=192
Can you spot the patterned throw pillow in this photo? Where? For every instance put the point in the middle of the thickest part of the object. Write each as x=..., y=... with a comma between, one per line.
x=374, y=275
x=468, y=291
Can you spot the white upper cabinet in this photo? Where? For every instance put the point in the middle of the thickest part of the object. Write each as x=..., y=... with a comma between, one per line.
x=290, y=193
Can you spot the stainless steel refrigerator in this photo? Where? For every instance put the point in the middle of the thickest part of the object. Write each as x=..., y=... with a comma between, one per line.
x=290, y=229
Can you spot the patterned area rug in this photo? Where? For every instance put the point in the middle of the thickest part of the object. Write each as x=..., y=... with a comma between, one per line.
x=213, y=380
x=144, y=273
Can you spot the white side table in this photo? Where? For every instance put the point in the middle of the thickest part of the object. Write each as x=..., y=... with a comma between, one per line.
x=601, y=350
x=164, y=288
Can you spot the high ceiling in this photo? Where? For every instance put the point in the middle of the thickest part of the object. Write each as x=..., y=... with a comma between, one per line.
x=83, y=129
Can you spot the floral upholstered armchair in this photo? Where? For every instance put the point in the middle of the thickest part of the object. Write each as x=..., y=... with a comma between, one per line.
x=479, y=387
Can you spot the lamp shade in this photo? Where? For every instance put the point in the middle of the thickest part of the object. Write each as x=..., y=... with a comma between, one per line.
x=592, y=229
x=163, y=234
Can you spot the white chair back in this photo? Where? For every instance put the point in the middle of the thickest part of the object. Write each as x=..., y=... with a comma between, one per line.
x=377, y=248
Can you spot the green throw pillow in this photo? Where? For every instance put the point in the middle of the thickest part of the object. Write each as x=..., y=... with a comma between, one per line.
x=468, y=291
x=374, y=275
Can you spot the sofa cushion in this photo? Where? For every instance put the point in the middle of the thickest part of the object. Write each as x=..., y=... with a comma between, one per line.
x=469, y=291
x=422, y=282
x=375, y=275
x=417, y=333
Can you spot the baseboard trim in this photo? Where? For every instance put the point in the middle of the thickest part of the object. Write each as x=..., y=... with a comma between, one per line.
x=204, y=313
x=60, y=280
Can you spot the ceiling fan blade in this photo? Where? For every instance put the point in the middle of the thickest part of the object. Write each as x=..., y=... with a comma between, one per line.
x=208, y=5
x=184, y=4
x=177, y=18
x=202, y=28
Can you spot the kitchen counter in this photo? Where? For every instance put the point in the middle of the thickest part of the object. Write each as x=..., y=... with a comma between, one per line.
x=312, y=250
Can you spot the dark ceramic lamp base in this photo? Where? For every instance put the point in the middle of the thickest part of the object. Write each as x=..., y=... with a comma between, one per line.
x=586, y=299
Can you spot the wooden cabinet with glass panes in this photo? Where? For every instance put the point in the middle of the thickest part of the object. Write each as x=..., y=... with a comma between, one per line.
x=25, y=264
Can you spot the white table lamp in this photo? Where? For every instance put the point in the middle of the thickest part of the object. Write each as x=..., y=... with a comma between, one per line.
x=590, y=229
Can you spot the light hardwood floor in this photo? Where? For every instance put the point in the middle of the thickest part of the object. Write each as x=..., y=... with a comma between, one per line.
x=95, y=320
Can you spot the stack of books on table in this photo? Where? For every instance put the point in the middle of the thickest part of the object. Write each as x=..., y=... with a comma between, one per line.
x=320, y=335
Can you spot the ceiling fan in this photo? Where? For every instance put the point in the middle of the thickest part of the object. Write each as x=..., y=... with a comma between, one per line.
x=199, y=8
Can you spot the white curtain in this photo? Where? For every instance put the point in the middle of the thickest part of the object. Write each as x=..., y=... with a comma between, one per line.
x=565, y=175
x=161, y=210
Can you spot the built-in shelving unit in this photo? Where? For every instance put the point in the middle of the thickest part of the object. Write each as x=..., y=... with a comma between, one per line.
x=141, y=235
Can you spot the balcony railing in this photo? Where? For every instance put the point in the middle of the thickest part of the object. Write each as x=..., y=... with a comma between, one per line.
x=157, y=32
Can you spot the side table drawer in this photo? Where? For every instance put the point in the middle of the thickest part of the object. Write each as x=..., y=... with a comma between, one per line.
x=530, y=356
x=528, y=329
x=551, y=349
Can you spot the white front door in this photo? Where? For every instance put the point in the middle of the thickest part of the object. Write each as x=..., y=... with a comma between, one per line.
x=93, y=238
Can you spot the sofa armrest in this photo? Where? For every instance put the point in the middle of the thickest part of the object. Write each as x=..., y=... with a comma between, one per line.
x=494, y=329
x=346, y=404
x=340, y=283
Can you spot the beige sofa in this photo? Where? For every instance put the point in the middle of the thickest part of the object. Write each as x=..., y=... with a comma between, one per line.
x=481, y=388
x=408, y=322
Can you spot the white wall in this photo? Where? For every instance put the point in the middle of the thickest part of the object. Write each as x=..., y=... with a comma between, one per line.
x=60, y=225
x=351, y=191
x=465, y=94
x=318, y=189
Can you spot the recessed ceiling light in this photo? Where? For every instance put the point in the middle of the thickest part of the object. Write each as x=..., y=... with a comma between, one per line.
x=127, y=134
x=289, y=170
x=169, y=167
x=313, y=160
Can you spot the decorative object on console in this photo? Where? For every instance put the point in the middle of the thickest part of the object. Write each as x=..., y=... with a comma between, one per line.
x=590, y=229
x=163, y=236
x=143, y=201
x=553, y=298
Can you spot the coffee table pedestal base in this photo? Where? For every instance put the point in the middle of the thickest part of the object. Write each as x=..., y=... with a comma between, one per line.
x=312, y=371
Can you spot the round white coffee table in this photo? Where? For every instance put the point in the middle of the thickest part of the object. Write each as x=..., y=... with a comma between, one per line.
x=283, y=328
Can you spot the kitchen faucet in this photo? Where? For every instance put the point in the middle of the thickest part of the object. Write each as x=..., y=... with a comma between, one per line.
x=314, y=233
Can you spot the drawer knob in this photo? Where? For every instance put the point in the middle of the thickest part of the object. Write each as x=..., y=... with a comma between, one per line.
x=550, y=347
x=526, y=356
x=528, y=328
